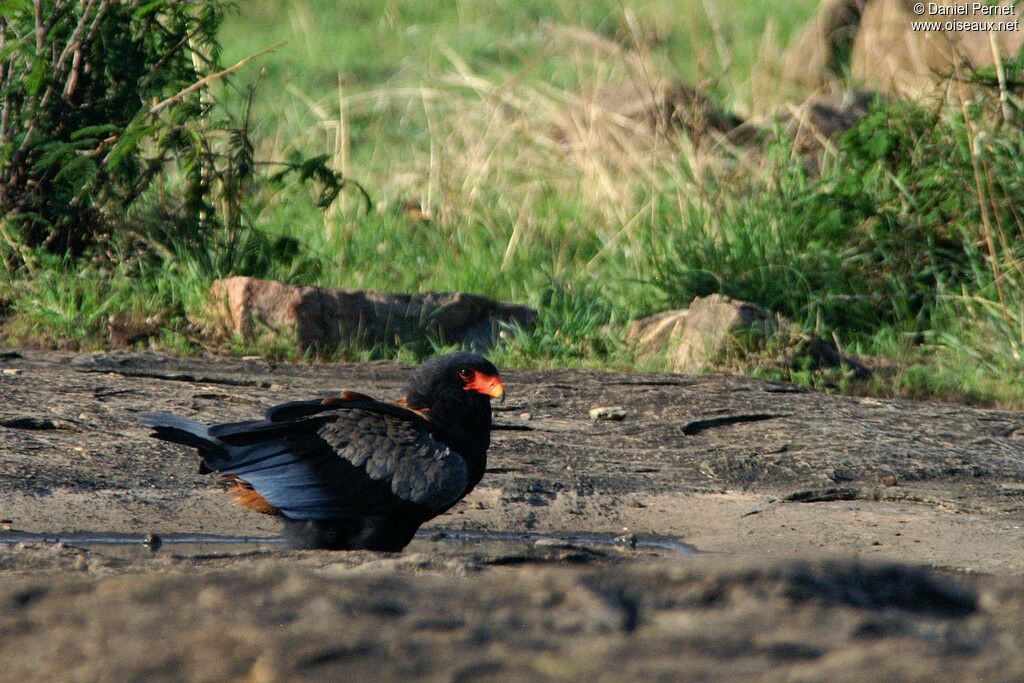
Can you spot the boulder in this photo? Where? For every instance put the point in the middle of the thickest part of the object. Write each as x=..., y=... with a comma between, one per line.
x=319, y=319
x=656, y=332
x=714, y=324
x=876, y=40
x=890, y=56
x=816, y=56
x=713, y=327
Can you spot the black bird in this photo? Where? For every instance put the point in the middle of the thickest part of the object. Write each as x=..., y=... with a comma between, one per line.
x=349, y=472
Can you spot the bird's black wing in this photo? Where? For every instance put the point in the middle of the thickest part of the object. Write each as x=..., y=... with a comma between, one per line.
x=354, y=456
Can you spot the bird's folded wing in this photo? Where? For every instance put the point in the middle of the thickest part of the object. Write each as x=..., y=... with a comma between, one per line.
x=294, y=410
x=351, y=457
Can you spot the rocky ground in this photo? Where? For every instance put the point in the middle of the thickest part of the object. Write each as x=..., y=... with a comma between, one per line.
x=836, y=537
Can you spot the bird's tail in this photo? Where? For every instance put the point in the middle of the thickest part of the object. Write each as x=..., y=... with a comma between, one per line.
x=178, y=429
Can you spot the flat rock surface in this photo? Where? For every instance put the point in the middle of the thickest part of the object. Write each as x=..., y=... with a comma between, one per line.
x=836, y=537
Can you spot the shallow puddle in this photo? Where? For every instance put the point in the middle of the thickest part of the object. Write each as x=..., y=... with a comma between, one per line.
x=192, y=544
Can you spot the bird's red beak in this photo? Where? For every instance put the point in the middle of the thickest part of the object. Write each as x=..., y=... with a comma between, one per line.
x=488, y=385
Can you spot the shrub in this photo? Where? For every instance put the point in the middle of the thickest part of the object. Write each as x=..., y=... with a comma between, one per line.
x=108, y=131
x=78, y=83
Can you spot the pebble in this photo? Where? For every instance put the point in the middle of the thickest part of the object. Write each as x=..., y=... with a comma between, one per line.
x=12, y=371
x=627, y=539
x=525, y=417
x=153, y=542
x=887, y=480
x=615, y=413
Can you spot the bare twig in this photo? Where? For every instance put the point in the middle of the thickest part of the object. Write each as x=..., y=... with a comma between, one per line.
x=74, y=41
x=207, y=80
x=40, y=28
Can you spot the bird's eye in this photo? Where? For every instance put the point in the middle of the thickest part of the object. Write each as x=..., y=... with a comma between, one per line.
x=466, y=375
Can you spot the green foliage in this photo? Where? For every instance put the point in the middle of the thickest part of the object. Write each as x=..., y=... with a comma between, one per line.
x=893, y=223
x=109, y=136
x=76, y=83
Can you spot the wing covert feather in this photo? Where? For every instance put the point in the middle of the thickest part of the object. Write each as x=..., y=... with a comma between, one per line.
x=422, y=470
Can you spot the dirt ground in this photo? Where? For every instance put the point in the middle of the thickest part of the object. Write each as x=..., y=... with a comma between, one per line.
x=837, y=538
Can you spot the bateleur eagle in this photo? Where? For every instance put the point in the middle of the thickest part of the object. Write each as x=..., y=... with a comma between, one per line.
x=350, y=472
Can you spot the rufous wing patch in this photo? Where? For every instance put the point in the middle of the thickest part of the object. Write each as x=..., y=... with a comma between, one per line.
x=330, y=401
x=422, y=412
x=355, y=396
x=242, y=493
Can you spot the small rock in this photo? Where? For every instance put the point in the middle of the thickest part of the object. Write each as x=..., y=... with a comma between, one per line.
x=615, y=413
x=153, y=542
x=627, y=540
x=869, y=401
x=11, y=371
x=888, y=480
x=526, y=417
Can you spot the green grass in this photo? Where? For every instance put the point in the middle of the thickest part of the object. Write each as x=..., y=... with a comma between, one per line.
x=905, y=247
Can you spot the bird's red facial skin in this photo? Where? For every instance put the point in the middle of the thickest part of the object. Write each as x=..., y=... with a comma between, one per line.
x=488, y=385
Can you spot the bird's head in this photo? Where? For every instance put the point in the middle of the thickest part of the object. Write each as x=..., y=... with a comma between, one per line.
x=457, y=377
